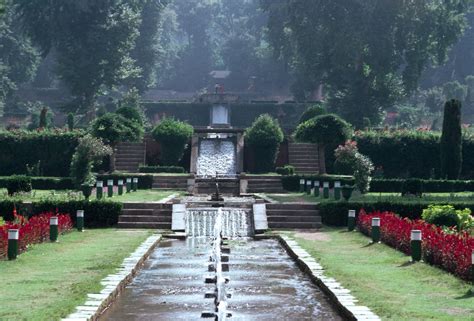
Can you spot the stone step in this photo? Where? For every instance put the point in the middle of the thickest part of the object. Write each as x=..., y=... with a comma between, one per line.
x=292, y=213
x=302, y=219
x=145, y=225
x=294, y=225
x=146, y=212
x=129, y=156
x=292, y=206
x=144, y=219
x=153, y=206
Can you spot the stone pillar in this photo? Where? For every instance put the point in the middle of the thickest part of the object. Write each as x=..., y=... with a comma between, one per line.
x=240, y=152
x=244, y=183
x=194, y=153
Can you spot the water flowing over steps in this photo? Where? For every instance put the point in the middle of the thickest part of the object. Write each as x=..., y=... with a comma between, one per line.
x=304, y=157
x=129, y=156
x=293, y=215
x=146, y=215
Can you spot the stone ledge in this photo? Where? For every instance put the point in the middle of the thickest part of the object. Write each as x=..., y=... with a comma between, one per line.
x=114, y=284
x=345, y=303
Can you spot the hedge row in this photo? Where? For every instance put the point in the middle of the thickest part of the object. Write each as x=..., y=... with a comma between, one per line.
x=161, y=169
x=406, y=153
x=428, y=186
x=144, y=181
x=51, y=150
x=335, y=213
x=98, y=213
x=292, y=183
x=44, y=183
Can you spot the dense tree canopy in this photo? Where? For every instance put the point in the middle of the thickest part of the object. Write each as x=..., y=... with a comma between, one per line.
x=368, y=54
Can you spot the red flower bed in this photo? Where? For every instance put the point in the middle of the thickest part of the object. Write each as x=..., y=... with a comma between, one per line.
x=32, y=231
x=451, y=252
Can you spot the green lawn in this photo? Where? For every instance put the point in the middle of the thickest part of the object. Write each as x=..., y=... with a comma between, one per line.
x=370, y=197
x=150, y=195
x=49, y=280
x=384, y=280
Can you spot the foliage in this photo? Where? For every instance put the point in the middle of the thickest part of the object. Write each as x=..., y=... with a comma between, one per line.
x=264, y=138
x=92, y=41
x=412, y=186
x=89, y=151
x=161, y=169
x=451, y=252
x=41, y=116
x=428, y=186
x=454, y=90
x=33, y=231
x=334, y=43
x=70, y=121
x=448, y=216
x=363, y=168
x=18, y=183
x=114, y=128
x=311, y=112
x=286, y=170
x=451, y=141
x=173, y=135
x=53, y=148
x=326, y=130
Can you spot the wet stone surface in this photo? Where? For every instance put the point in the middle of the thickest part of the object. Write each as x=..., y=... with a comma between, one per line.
x=265, y=285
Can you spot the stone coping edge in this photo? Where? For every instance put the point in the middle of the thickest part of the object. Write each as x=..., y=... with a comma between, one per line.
x=341, y=298
x=97, y=303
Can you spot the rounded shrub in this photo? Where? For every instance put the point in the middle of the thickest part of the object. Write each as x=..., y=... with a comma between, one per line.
x=264, y=138
x=18, y=183
x=327, y=129
x=173, y=135
x=311, y=112
x=114, y=128
x=441, y=215
x=131, y=113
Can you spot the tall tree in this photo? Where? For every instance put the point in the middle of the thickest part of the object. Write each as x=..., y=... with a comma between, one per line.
x=92, y=40
x=451, y=141
x=368, y=54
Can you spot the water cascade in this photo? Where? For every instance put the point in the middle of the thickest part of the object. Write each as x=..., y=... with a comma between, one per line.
x=216, y=155
x=235, y=222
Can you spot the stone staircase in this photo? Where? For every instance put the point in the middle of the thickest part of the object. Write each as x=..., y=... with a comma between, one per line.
x=264, y=184
x=293, y=216
x=227, y=186
x=146, y=215
x=174, y=182
x=304, y=157
x=129, y=156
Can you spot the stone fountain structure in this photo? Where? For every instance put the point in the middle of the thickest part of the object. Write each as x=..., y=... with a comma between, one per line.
x=217, y=151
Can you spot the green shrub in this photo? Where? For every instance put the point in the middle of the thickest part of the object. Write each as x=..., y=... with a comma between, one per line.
x=131, y=113
x=114, y=128
x=441, y=215
x=44, y=183
x=70, y=121
x=286, y=170
x=451, y=141
x=18, y=183
x=52, y=148
x=264, y=138
x=311, y=112
x=7, y=206
x=173, y=135
x=162, y=169
x=412, y=186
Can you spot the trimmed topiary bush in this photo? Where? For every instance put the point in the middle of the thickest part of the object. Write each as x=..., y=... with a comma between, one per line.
x=286, y=170
x=173, y=135
x=311, y=112
x=18, y=183
x=451, y=141
x=412, y=186
x=264, y=138
x=441, y=215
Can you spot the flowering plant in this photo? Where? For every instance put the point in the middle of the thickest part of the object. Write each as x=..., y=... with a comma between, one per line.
x=450, y=251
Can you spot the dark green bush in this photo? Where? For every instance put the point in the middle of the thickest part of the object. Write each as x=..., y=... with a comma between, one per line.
x=286, y=170
x=144, y=181
x=441, y=215
x=96, y=213
x=264, y=138
x=114, y=128
x=52, y=148
x=162, y=169
x=335, y=213
x=44, y=183
x=451, y=141
x=327, y=130
x=292, y=183
x=8, y=205
x=412, y=186
x=18, y=183
x=428, y=186
x=173, y=135
x=131, y=113
x=313, y=111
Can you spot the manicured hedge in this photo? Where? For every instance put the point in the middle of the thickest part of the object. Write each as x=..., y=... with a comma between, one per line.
x=428, y=186
x=335, y=213
x=406, y=153
x=292, y=183
x=161, y=169
x=97, y=213
x=144, y=181
x=44, y=183
x=53, y=149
